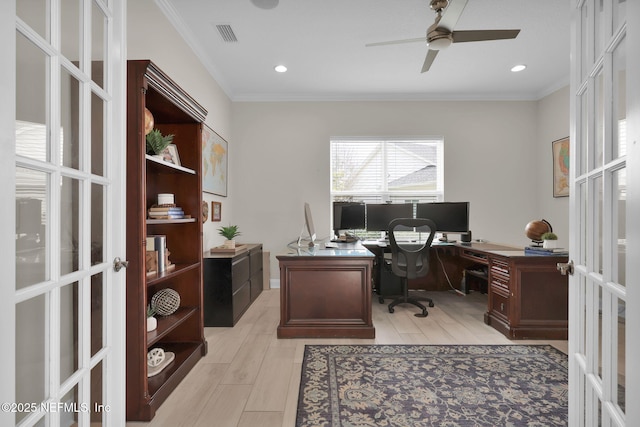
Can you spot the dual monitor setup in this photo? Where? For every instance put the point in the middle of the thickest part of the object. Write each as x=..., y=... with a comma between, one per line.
x=449, y=217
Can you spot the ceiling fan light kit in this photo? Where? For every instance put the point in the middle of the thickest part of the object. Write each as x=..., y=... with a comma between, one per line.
x=440, y=35
x=265, y=4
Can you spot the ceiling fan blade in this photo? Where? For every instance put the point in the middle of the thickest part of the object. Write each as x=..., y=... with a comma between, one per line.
x=418, y=39
x=483, y=35
x=431, y=55
x=452, y=14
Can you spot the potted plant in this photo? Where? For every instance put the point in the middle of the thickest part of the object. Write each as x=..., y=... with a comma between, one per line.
x=152, y=322
x=229, y=232
x=549, y=240
x=156, y=142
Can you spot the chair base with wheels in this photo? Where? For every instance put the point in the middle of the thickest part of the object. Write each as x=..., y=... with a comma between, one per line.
x=406, y=299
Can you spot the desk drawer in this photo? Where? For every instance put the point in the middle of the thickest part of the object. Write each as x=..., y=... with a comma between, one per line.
x=500, y=267
x=500, y=306
x=479, y=257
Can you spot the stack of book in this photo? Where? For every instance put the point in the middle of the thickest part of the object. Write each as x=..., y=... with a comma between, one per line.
x=540, y=251
x=166, y=212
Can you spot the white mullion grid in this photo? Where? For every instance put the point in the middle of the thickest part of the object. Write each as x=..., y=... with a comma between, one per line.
x=54, y=204
x=84, y=285
x=578, y=283
x=607, y=242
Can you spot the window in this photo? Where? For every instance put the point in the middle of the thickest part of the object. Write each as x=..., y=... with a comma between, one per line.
x=398, y=170
x=395, y=170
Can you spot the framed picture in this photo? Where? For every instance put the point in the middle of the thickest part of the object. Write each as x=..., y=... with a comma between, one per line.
x=560, y=151
x=216, y=211
x=170, y=154
x=214, y=162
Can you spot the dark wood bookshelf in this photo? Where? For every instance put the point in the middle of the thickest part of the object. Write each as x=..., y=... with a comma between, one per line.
x=175, y=112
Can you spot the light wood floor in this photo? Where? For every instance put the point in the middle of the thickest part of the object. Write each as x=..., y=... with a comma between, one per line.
x=250, y=378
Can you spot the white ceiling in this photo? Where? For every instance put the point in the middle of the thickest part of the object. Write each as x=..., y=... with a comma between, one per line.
x=322, y=42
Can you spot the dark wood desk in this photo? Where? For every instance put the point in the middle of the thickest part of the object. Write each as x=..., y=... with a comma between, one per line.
x=326, y=293
x=527, y=296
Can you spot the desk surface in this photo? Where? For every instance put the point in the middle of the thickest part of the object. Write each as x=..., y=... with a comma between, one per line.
x=353, y=250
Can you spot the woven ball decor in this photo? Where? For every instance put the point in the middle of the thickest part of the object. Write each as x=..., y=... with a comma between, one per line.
x=165, y=301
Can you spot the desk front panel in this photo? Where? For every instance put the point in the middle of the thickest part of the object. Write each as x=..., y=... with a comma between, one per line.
x=325, y=297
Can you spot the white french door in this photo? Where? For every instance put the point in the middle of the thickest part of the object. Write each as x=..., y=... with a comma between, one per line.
x=64, y=311
x=605, y=193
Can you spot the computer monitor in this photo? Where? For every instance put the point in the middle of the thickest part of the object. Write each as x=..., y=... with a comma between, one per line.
x=308, y=224
x=449, y=217
x=348, y=216
x=380, y=215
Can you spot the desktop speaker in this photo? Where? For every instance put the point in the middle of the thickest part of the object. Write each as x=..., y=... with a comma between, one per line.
x=466, y=237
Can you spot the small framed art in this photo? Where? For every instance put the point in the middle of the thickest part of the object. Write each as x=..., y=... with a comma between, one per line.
x=216, y=211
x=170, y=154
x=560, y=151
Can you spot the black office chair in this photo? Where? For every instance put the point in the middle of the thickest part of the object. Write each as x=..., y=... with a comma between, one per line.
x=410, y=259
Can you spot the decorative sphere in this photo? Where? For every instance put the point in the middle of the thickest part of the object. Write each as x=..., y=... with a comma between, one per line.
x=535, y=229
x=165, y=301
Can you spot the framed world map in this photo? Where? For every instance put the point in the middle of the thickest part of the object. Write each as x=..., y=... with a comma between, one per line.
x=214, y=162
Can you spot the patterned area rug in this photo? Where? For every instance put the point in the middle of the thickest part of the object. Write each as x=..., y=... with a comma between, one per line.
x=433, y=385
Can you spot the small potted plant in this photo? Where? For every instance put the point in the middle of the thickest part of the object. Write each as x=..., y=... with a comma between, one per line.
x=549, y=240
x=152, y=322
x=156, y=142
x=229, y=232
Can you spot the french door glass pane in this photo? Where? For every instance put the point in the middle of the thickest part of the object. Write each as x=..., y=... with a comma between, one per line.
x=619, y=12
x=69, y=225
x=97, y=311
x=583, y=136
x=597, y=224
x=71, y=15
x=98, y=36
x=32, y=337
x=599, y=129
x=599, y=331
x=31, y=227
x=69, y=120
x=31, y=118
x=97, y=135
x=68, y=331
x=97, y=224
x=619, y=223
x=584, y=26
x=620, y=396
x=582, y=296
x=619, y=130
x=599, y=28
x=69, y=417
x=583, y=226
x=32, y=12
x=97, y=404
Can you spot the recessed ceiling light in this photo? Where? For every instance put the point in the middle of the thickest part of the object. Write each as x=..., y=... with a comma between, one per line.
x=265, y=4
x=517, y=68
x=280, y=68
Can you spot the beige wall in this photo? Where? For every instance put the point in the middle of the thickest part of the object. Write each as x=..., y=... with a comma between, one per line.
x=497, y=154
x=492, y=156
x=151, y=36
x=553, y=124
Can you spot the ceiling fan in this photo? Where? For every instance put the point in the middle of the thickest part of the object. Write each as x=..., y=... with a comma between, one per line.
x=440, y=34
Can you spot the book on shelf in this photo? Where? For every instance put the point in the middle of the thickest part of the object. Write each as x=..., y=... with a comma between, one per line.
x=165, y=209
x=540, y=251
x=166, y=213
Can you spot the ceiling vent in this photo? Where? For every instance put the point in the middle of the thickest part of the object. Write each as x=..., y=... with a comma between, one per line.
x=226, y=32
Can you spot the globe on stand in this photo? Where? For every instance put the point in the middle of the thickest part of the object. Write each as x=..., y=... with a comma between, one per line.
x=535, y=229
